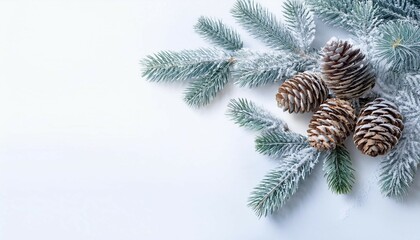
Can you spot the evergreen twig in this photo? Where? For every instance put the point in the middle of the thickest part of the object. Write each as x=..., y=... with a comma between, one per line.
x=172, y=66
x=300, y=21
x=255, y=69
x=280, y=144
x=338, y=170
x=218, y=33
x=247, y=114
x=399, y=9
x=399, y=45
x=399, y=167
x=263, y=25
x=280, y=184
x=201, y=91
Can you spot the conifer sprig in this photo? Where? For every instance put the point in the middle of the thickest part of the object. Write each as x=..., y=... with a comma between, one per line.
x=280, y=184
x=399, y=9
x=255, y=69
x=216, y=32
x=203, y=90
x=264, y=25
x=300, y=21
x=399, y=167
x=338, y=170
x=399, y=45
x=247, y=114
x=172, y=66
x=280, y=144
x=358, y=17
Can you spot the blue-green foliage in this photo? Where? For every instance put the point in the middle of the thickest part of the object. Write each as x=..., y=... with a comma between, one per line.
x=399, y=167
x=264, y=25
x=399, y=9
x=247, y=114
x=177, y=66
x=296, y=158
x=399, y=45
x=202, y=90
x=255, y=69
x=300, y=21
x=218, y=33
x=338, y=170
x=279, y=145
x=358, y=17
x=280, y=184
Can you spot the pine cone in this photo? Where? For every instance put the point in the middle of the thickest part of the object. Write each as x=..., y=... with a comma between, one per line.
x=331, y=124
x=304, y=92
x=347, y=72
x=378, y=127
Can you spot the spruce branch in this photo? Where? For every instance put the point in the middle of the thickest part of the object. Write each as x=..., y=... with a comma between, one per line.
x=338, y=170
x=247, y=114
x=201, y=91
x=399, y=9
x=399, y=45
x=280, y=184
x=255, y=69
x=172, y=66
x=263, y=25
x=280, y=144
x=300, y=21
x=358, y=17
x=399, y=167
x=408, y=102
x=412, y=83
x=216, y=32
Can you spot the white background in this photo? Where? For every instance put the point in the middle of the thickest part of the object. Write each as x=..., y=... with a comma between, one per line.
x=90, y=150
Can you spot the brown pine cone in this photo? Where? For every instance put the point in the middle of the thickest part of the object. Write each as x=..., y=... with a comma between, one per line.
x=347, y=72
x=304, y=92
x=378, y=127
x=331, y=124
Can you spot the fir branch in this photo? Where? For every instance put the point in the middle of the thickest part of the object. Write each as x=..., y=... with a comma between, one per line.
x=280, y=144
x=399, y=9
x=399, y=45
x=358, y=17
x=399, y=167
x=247, y=114
x=263, y=25
x=176, y=66
x=202, y=91
x=300, y=21
x=333, y=12
x=408, y=102
x=412, y=83
x=216, y=32
x=338, y=170
x=257, y=69
x=364, y=19
x=280, y=184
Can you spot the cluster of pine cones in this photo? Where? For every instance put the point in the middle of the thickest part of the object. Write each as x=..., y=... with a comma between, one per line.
x=347, y=74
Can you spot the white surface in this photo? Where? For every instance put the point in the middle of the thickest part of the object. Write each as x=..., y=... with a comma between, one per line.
x=88, y=150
